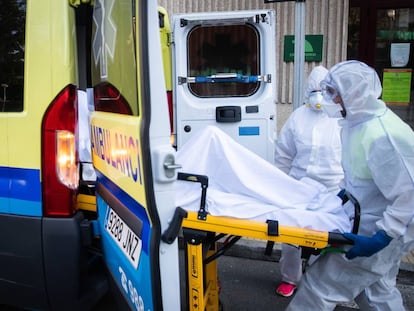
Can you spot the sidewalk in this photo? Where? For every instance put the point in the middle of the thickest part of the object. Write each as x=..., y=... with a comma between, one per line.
x=249, y=285
x=253, y=253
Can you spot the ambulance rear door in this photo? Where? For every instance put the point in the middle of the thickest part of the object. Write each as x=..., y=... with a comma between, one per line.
x=132, y=154
x=224, y=75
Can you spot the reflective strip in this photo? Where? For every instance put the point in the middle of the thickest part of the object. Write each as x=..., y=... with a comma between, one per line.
x=20, y=191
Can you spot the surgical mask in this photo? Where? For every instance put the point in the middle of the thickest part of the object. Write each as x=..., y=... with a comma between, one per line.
x=331, y=109
x=315, y=101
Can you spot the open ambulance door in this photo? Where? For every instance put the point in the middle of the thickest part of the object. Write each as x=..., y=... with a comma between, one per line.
x=224, y=75
x=132, y=154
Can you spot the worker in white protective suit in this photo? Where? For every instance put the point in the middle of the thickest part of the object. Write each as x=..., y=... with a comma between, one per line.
x=308, y=145
x=378, y=162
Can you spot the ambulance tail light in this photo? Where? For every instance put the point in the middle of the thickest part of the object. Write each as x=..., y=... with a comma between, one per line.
x=66, y=166
x=60, y=168
x=108, y=99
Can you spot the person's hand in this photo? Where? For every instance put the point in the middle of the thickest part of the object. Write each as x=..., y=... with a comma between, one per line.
x=366, y=246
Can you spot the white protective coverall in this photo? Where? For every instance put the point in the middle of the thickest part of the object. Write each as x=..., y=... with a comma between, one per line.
x=244, y=185
x=309, y=144
x=378, y=162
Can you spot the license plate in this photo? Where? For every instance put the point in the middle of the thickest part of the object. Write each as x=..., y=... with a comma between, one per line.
x=129, y=243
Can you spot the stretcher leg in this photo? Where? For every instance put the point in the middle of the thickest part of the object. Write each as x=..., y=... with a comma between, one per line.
x=202, y=278
x=211, y=277
x=196, y=300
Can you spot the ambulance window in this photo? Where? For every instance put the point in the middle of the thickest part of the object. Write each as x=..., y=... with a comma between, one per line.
x=12, y=27
x=223, y=49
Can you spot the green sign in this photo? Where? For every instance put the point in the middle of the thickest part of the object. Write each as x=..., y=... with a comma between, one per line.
x=396, y=86
x=313, y=48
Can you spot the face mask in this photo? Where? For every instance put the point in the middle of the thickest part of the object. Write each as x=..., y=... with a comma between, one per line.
x=332, y=110
x=315, y=101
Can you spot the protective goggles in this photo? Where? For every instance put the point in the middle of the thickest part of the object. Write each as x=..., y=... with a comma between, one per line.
x=329, y=92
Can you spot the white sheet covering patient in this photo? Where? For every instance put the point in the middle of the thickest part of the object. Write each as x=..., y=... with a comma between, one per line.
x=243, y=185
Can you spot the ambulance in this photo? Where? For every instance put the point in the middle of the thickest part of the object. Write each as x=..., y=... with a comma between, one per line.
x=65, y=239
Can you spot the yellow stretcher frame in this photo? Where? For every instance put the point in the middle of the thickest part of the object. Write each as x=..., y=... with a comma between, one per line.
x=258, y=230
x=86, y=202
x=200, y=243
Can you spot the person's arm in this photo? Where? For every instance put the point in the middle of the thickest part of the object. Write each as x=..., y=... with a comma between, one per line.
x=392, y=168
x=391, y=163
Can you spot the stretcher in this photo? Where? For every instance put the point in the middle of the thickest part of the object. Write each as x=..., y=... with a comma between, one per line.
x=202, y=231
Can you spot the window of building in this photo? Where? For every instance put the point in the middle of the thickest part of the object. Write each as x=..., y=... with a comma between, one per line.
x=222, y=49
x=394, y=26
x=354, y=22
x=381, y=34
x=12, y=26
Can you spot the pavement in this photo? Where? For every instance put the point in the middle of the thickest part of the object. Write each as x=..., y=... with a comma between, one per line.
x=249, y=285
x=249, y=278
x=258, y=276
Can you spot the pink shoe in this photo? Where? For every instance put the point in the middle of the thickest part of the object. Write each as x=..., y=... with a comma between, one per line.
x=286, y=289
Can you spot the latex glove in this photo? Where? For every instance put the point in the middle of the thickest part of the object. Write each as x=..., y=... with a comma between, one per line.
x=365, y=246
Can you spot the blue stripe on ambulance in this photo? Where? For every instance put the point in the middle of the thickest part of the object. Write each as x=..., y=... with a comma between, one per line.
x=130, y=278
x=20, y=191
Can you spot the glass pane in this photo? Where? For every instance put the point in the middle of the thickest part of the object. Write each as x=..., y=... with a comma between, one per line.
x=223, y=49
x=12, y=26
x=393, y=26
x=354, y=23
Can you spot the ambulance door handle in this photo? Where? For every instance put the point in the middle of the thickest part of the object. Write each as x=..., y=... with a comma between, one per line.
x=228, y=114
x=165, y=168
x=170, y=166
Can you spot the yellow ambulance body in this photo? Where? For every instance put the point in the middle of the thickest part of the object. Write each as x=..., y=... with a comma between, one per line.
x=56, y=56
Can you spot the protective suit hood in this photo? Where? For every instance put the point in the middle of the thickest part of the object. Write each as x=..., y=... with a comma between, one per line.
x=313, y=82
x=360, y=89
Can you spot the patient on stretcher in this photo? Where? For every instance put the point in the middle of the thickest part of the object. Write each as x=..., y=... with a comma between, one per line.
x=243, y=185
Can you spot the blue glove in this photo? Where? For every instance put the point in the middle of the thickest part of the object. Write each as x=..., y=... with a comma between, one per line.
x=365, y=246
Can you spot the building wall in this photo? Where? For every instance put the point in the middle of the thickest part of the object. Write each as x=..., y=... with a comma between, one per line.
x=326, y=17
